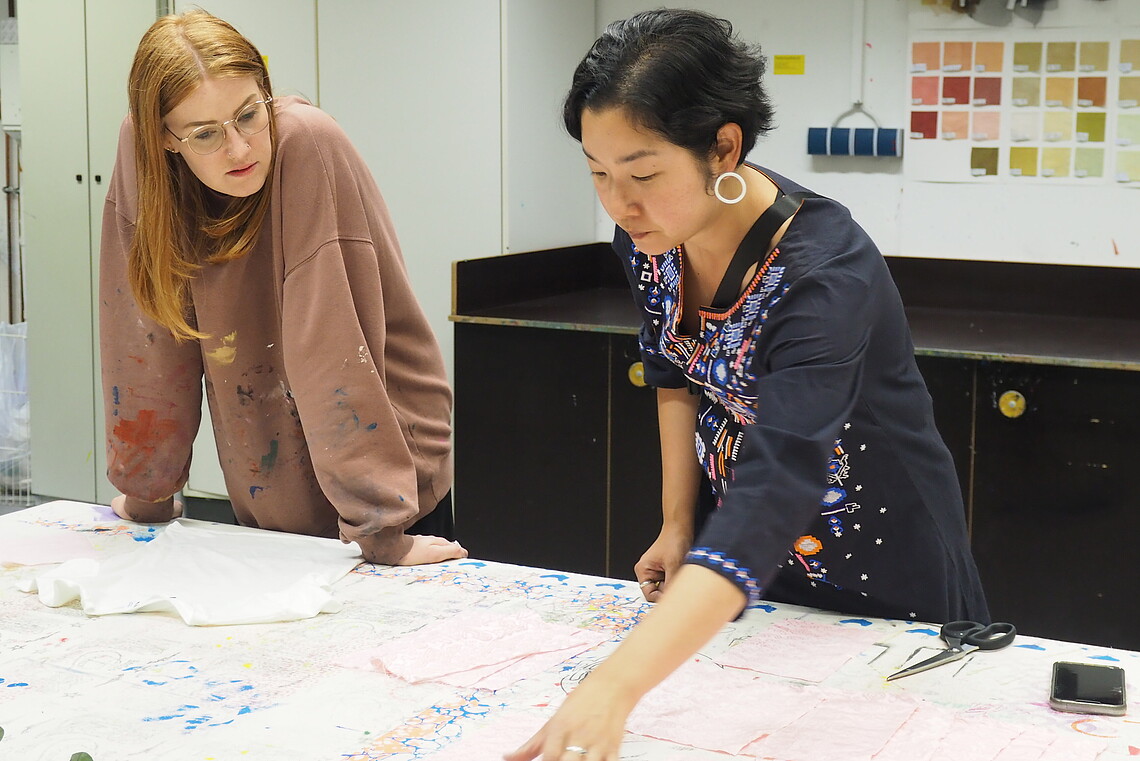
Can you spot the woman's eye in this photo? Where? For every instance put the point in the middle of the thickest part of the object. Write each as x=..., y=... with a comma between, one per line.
x=205, y=135
x=597, y=175
x=646, y=178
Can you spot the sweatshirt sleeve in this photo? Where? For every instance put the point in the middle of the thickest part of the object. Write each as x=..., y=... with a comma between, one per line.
x=364, y=367
x=152, y=393
x=815, y=342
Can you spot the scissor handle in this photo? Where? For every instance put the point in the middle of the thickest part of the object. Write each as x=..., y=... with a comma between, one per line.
x=992, y=637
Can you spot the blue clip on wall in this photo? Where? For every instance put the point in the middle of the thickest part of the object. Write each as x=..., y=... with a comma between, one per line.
x=854, y=141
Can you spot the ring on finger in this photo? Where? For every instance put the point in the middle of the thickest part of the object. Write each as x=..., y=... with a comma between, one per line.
x=578, y=749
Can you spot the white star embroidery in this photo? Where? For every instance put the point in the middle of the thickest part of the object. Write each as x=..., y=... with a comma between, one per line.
x=848, y=555
x=882, y=509
x=913, y=614
x=878, y=541
x=847, y=426
x=823, y=570
x=858, y=526
x=862, y=447
x=858, y=487
x=657, y=322
x=863, y=577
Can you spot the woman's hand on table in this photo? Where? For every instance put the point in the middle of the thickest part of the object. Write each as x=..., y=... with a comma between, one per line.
x=591, y=719
x=141, y=511
x=660, y=562
x=431, y=549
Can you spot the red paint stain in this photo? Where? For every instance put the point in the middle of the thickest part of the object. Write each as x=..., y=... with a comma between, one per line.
x=145, y=430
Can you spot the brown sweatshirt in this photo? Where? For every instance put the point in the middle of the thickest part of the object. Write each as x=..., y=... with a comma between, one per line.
x=327, y=390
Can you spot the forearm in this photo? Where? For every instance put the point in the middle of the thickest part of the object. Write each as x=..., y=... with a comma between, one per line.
x=680, y=471
x=698, y=603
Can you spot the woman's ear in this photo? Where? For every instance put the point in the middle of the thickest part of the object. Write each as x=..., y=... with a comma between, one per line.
x=729, y=139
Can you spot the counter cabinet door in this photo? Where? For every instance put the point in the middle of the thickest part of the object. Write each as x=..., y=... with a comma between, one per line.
x=531, y=410
x=1056, y=508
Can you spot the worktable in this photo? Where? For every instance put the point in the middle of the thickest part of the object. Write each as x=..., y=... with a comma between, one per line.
x=147, y=685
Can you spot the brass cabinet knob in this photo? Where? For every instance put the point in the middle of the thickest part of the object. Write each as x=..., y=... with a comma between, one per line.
x=1012, y=404
x=637, y=374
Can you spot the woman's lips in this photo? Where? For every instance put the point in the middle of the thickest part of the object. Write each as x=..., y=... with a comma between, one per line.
x=242, y=172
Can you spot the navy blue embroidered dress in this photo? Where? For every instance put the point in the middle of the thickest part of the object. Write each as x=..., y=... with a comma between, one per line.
x=832, y=486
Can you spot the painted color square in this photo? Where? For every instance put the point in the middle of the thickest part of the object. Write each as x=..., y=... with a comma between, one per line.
x=955, y=91
x=1055, y=162
x=988, y=56
x=1090, y=127
x=1058, y=126
x=1061, y=56
x=1088, y=162
x=985, y=125
x=957, y=56
x=987, y=91
x=924, y=91
x=955, y=125
x=1129, y=92
x=1128, y=130
x=1059, y=91
x=1026, y=91
x=924, y=124
x=925, y=56
x=1128, y=166
x=1025, y=126
x=983, y=162
x=1023, y=162
x=1027, y=56
x=1094, y=56
x=1092, y=92
x=1129, y=55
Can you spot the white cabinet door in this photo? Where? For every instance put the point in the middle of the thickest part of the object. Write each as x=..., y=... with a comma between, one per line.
x=74, y=60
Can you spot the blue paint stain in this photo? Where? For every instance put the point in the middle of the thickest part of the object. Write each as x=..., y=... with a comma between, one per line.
x=253, y=490
x=244, y=710
x=1104, y=658
x=615, y=586
x=931, y=632
x=371, y=427
x=860, y=621
x=17, y=684
x=153, y=683
x=763, y=606
x=558, y=576
x=475, y=563
x=145, y=537
x=1030, y=647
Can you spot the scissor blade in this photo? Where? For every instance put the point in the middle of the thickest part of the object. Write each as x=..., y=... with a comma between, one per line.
x=946, y=656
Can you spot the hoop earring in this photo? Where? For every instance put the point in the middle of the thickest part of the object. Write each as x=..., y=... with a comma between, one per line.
x=723, y=199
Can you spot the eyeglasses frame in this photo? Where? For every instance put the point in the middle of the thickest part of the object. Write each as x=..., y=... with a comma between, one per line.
x=267, y=102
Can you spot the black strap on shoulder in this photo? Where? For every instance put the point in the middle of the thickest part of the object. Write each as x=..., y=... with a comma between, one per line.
x=755, y=246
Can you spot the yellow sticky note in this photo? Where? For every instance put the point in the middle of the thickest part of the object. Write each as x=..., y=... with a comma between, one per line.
x=787, y=64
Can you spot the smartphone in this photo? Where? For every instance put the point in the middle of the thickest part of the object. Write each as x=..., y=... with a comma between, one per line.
x=1088, y=688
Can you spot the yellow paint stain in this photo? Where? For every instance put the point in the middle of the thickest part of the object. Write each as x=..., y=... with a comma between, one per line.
x=227, y=352
x=247, y=665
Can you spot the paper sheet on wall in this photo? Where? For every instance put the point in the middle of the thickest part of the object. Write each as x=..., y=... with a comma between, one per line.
x=209, y=574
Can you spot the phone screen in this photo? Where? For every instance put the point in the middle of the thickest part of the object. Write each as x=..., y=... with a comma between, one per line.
x=1088, y=683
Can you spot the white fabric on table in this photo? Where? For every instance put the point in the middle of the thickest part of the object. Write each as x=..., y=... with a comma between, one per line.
x=208, y=574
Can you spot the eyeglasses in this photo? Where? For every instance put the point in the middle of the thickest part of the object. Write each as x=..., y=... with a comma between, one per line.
x=207, y=138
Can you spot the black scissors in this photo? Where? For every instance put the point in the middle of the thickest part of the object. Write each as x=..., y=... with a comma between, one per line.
x=963, y=638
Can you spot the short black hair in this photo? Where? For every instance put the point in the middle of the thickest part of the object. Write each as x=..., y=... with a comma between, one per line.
x=681, y=74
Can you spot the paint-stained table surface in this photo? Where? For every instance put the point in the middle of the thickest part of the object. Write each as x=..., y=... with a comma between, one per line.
x=147, y=686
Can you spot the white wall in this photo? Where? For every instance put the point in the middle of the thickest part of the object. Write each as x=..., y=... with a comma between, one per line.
x=1030, y=223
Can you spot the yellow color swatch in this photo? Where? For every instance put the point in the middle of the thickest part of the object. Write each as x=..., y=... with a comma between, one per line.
x=1055, y=162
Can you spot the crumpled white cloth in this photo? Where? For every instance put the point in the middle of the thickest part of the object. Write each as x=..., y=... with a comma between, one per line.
x=208, y=574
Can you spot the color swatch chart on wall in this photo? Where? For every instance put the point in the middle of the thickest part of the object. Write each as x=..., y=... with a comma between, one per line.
x=1042, y=111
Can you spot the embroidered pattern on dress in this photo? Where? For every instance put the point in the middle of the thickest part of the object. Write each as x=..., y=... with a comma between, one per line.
x=717, y=561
